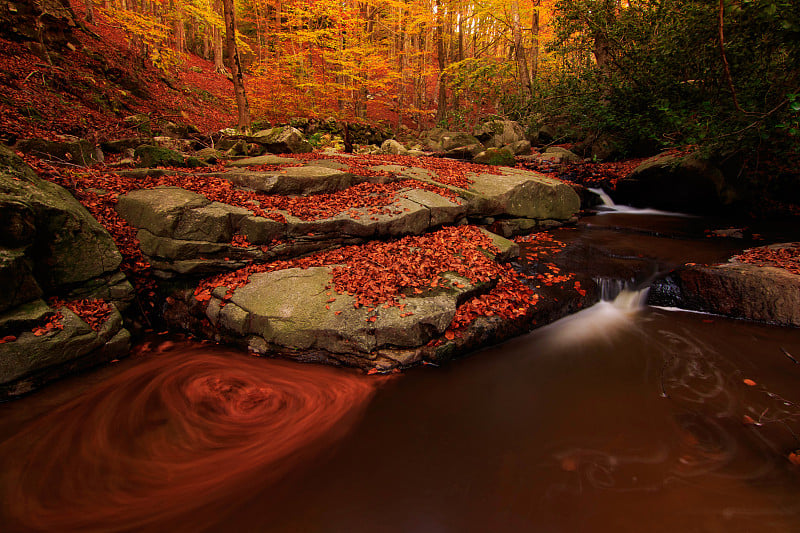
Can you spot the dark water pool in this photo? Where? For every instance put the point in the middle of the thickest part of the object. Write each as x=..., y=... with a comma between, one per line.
x=617, y=419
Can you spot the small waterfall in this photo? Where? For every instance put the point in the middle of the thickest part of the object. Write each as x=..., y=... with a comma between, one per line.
x=620, y=294
x=613, y=315
x=605, y=198
x=608, y=206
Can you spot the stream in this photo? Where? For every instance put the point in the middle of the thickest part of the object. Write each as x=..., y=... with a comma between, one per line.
x=620, y=418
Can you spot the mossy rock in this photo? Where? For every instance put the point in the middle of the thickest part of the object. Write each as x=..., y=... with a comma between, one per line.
x=496, y=156
x=149, y=156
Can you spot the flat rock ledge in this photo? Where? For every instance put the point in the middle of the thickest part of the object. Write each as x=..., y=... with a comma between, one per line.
x=295, y=313
x=734, y=289
x=182, y=232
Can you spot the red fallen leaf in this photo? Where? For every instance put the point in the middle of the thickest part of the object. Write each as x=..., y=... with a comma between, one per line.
x=449, y=335
x=748, y=420
x=337, y=313
x=328, y=307
x=569, y=464
x=8, y=338
x=372, y=319
x=794, y=458
x=372, y=371
x=749, y=382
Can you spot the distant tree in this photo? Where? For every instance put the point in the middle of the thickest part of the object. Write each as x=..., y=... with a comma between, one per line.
x=242, y=106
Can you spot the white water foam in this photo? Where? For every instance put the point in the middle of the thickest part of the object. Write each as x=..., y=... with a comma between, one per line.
x=604, y=320
x=610, y=207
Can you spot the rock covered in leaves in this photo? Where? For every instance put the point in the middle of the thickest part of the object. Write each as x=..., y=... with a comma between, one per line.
x=51, y=246
x=375, y=306
x=184, y=232
x=51, y=341
x=761, y=284
x=250, y=222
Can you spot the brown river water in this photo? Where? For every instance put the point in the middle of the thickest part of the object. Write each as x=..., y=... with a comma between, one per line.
x=621, y=418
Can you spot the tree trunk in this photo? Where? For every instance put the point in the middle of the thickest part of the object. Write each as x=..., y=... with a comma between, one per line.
x=441, y=108
x=236, y=67
x=180, y=29
x=523, y=73
x=535, y=41
x=216, y=38
x=90, y=11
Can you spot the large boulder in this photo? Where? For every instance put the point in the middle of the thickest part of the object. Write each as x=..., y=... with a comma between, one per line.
x=558, y=154
x=63, y=242
x=454, y=144
x=674, y=182
x=518, y=193
x=296, y=311
x=496, y=156
x=499, y=133
x=78, y=152
x=51, y=246
x=736, y=289
x=183, y=232
x=150, y=156
x=391, y=146
x=282, y=140
x=304, y=180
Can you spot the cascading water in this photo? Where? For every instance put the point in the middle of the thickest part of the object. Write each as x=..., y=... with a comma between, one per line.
x=621, y=294
x=615, y=312
x=608, y=206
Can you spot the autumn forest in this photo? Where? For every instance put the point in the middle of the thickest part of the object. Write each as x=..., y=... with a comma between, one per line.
x=400, y=266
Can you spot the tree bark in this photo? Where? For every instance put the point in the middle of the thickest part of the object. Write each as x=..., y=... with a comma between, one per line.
x=242, y=106
x=523, y=73
x=90, y=11
x=216, y=44
x=441, y=108
x=180, y=29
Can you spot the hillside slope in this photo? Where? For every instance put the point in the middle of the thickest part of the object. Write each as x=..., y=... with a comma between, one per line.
x=87, y=85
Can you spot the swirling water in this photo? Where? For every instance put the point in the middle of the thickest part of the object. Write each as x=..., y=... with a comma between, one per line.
x=620, y=418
